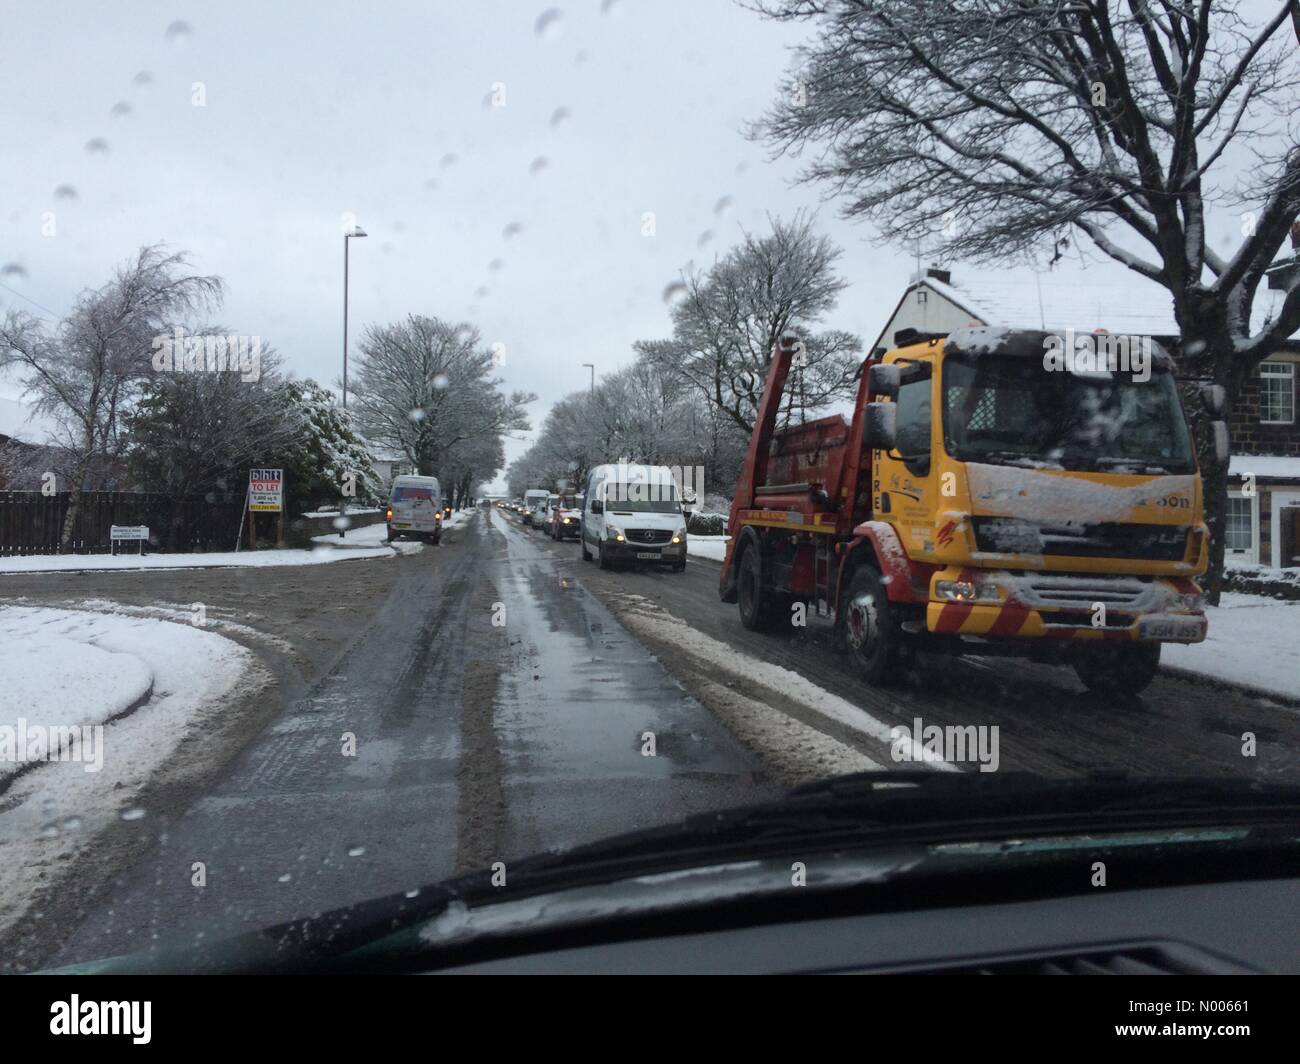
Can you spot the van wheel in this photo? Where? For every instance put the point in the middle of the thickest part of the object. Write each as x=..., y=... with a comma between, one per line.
x=582, y=542
x=755, y=606
x=1121, y=670
x=436, y=538
x=601, y=559
x=870, y=629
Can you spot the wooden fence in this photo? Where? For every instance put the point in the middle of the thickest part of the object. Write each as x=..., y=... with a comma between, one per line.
x=31, y=523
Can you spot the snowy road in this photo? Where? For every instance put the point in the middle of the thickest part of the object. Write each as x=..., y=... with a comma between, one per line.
x=501, y=695
x=475, y=742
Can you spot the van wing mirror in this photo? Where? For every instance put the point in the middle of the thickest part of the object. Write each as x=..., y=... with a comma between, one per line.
x=597, y=507
x=880, y=432
x=884, y=380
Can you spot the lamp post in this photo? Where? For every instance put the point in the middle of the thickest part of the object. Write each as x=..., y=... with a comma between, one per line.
x=357, y=231
x=588, y=365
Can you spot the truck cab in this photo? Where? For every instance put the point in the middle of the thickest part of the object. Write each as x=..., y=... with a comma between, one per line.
x=985, y=499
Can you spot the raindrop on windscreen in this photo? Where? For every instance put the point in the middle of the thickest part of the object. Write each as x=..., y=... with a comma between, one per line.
x=178, y=32
x=135, y=813
x=12, y=269
x=143, y=78
x=97, y=146
x=582, y=56
x=357, y=851
x=606, y=6
x=342, y=522
x=513, y=229
x=440, y=381
x=431, y=184
x=416, y=415
x=495, y=265
x=481, y=292
x=560, y=114
x=447, y=160
x=284, y=878
x=547, y=24
x=73, y=823
x=121, y=109
x=723, y=205
x=674, y=293
x=741, y=167
x=538, y=165
x=48, y=832
x=704, y=238
x=412, y=893
x=65, y=192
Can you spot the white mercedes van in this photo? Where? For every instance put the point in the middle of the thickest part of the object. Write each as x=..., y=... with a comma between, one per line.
x=633, y=513
x=415, y=508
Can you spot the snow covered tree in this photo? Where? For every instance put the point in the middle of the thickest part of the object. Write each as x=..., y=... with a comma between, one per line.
x=86, y=371
x=425, y=388
x=1002, y=129
x=731, y=315
x=323, y=456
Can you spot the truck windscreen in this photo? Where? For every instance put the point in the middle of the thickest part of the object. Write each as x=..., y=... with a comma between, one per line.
x=1009, y=410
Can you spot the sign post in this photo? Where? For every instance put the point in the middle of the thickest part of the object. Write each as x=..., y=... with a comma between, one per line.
x=265, y=495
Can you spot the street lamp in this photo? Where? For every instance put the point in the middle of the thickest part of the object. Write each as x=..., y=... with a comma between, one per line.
x=357, y=231
x=588, y=365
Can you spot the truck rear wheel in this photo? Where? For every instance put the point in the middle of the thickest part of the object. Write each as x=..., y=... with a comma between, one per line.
x=1122, y=669
x=870, y=629
x=755, y=606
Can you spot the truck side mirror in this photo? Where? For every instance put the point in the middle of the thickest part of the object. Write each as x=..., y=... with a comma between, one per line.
x=884, y=380
x=880, y=431
x=1214, y=397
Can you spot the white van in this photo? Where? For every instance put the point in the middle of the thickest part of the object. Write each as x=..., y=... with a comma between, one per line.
x=415, y=508
x=534, y=504
x=633, y=513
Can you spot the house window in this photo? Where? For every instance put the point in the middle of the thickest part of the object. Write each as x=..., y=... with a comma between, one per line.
x=1239, y=527
x=1277, y=393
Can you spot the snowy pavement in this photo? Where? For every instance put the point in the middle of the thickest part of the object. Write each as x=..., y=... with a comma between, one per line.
x=368, y=541
x=75, y=669
x=1252, y=641
x=714, y=548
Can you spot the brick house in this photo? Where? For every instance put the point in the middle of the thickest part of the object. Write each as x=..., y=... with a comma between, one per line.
x=1263, y=521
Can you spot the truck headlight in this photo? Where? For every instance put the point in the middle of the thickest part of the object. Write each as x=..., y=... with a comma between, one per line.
x=1190, y=603
x=967, y=591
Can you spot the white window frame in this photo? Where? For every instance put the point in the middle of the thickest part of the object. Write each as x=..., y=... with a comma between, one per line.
x=1280, y=500
x=1276, y=370
x=1250, y=555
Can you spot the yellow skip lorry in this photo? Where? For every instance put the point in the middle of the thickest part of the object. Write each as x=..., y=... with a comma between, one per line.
x=992, y=494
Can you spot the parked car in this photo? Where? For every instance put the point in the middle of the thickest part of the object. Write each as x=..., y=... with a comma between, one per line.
x=633, y=513
x=415, y=508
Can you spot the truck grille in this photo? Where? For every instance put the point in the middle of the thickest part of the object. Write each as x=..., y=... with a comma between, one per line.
x=649, y=535
x=1105, y=539
x=1083, y=590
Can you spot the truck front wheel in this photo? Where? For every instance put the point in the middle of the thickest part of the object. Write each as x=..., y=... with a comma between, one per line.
x=870, y=629
x=1120, y=669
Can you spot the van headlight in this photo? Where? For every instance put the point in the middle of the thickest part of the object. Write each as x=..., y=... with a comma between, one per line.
x=680, y=535
x=616, y=534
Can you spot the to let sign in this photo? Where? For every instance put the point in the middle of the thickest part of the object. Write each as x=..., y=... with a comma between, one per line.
x=266, y=490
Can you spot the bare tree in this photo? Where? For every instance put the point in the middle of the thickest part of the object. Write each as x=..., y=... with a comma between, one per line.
x=731, y=316
x=87, y=371
x=1002, y=127
x=425, y=388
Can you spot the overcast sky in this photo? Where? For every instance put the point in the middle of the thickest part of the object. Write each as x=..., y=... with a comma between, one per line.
x=315, y=109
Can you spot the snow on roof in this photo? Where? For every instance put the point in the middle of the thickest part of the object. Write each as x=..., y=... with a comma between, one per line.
x=19, y=422
x=1117, y=300
x=1268, y=466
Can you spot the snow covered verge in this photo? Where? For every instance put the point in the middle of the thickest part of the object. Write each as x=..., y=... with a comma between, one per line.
x=714, y=548
x=132, y=699
x=1252, y=642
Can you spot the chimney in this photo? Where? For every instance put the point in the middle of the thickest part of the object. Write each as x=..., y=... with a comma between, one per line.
x=945, y=276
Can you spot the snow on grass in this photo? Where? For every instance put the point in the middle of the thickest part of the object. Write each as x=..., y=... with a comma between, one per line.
x=714, y=548
x=361, y=543
x=1252, y=641
x=53, y=812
